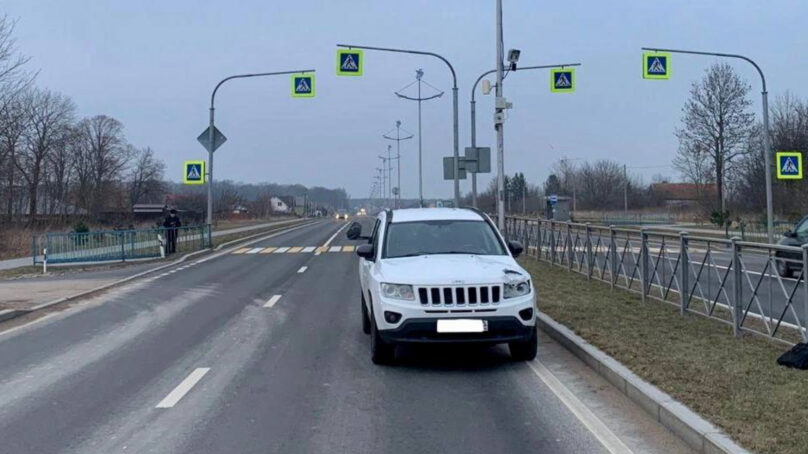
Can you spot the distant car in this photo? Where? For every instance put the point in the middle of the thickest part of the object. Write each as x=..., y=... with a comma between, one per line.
x=341, y=214
x=436, y=275
x=792, y=261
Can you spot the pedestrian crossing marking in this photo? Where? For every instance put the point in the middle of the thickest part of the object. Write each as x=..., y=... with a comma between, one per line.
x=294, y=250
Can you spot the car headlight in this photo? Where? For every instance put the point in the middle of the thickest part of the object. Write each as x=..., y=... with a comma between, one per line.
x=398, y=291
x=514, y=289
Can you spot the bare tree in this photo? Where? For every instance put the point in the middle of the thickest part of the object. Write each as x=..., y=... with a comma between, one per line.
x=716, y=124
x=13, y=124
x=105, y=155
x=49, y=117
x=145, y=177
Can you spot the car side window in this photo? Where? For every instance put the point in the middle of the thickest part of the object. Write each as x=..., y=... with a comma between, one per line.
x=802, y=228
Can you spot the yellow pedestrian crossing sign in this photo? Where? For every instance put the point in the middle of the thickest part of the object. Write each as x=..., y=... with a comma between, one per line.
x=194, y=172
x=656, y=65
x=562, y=80
x=789, y=165
x=349, y=62
x=302, y=85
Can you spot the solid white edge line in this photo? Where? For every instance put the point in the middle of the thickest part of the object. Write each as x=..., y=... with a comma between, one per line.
x=182, y=389
x=605, y=436
x=271, y=302
x=302, y=269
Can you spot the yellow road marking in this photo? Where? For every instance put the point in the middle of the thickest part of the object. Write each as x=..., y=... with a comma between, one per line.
x=268, y=250
x=348, y=248
x=322, y=249
x=295, y=250
x=242, y=250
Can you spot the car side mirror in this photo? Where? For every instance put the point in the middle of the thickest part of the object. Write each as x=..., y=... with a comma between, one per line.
x=790, y=234
x=366, y=251
x=354, y=231
x=516, y=248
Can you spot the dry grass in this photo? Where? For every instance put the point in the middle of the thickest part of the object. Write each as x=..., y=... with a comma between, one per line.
x=735, y=383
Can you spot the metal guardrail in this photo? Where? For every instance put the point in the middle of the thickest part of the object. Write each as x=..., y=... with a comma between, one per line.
x=732, y=281
x=115, y=245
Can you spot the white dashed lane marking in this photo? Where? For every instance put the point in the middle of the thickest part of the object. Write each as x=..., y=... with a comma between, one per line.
x=182, y=389
x=302, y=269
x=272, y=301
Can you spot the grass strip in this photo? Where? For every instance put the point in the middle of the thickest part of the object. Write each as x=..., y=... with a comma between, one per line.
x=734, y=383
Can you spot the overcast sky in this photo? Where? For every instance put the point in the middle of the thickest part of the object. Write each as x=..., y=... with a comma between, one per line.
x=153, y=64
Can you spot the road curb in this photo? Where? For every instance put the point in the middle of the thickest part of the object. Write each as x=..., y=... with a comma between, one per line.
x=698, y=433
x=9, y=314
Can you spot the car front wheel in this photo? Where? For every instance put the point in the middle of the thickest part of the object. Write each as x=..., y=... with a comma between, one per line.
x=380, y=351
x=527, y=349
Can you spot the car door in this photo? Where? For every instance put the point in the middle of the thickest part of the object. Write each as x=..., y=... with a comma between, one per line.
x=801, y=231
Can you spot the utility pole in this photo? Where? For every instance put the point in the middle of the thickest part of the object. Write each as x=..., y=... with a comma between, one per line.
x=382, y=176
x=499, y=119
x=212, y=129
x=398, y=140
x=419, y=74
x=524, y=197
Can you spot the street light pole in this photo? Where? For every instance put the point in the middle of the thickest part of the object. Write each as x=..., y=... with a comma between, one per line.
x=474, y=114
x=398, y=140
x=455, y=121
x=419, y=73
x=766, y=136
x=211, y=129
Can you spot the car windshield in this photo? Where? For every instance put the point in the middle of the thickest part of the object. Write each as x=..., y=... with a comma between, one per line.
x=408, y=239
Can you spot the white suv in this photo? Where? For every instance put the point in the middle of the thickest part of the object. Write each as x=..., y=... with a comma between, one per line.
x=443, y=275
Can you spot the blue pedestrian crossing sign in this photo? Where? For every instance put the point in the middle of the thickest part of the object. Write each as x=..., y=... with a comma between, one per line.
x=349, y=62
x=789, y=165
x=656, y=65
x=562, y=80
x=302, y=85
x=194, y=172
x=553, y=199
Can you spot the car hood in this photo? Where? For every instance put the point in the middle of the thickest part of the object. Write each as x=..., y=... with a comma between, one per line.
x=455, y=269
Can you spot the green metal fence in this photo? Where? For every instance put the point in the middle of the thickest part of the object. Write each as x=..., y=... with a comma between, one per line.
x=117, y=245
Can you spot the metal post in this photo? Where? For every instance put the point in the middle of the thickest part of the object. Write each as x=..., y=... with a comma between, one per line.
x=570, y=248
x=552, y=242
x=524, y=197
x=588, y=251
x=498, y=124
x=612, y=256
x=684, y=273
x=474, y=145
x=805, y=291
x=398, y=163
x=210, y=160
x=644, y=264
x=625, y=191
x=420, y=158
x=737, y=288
x=45, y=261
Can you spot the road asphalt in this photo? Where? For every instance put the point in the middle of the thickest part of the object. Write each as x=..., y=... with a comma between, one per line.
x=262, y=351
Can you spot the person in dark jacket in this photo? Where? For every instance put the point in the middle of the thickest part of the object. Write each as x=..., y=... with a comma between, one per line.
x=171, y=223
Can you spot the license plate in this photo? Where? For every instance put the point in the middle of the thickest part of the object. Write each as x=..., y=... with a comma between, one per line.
x=462, y=325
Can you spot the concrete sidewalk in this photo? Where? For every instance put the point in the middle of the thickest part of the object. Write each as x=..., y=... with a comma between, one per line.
x=26, y=261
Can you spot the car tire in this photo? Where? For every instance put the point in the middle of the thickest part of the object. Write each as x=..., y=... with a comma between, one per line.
x=365, y=317
x=525, y=350
x=783, y=269
x=380, y=351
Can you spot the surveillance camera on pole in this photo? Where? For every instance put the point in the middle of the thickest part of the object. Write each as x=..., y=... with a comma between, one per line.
x=513, y=57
